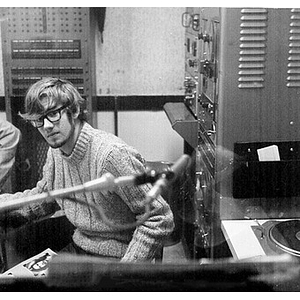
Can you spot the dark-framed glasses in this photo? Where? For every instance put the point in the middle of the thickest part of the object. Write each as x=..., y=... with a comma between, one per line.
x=52, y=116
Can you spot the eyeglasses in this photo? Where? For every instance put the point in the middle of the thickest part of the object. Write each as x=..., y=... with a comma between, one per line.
x=52, y=116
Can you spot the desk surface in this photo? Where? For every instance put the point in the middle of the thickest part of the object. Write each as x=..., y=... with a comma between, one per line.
x=241, y=239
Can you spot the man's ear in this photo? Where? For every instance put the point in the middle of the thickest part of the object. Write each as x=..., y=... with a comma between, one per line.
x=76, y=112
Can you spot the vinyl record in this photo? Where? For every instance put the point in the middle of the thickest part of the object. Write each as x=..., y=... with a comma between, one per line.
x=286, y=235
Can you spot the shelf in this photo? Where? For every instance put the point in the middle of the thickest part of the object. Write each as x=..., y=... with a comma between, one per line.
x=183, y=122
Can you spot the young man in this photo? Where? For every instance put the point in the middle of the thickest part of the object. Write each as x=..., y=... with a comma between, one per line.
x=79, y=153
x=9, y=139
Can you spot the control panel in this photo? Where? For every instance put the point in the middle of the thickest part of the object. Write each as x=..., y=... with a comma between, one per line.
x=201, y=63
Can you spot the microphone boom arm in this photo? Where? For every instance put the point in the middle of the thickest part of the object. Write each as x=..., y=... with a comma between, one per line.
x=107, y=182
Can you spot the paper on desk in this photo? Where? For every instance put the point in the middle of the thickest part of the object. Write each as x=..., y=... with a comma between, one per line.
x=36, y=266
x=270, y=153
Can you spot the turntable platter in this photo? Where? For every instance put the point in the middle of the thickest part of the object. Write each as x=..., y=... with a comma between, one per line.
x=286, y=235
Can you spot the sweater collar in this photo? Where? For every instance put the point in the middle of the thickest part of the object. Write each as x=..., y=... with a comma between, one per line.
x=81, y=145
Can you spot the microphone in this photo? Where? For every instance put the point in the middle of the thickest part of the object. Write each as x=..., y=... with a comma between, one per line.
x=180, y=165
x=166, y=178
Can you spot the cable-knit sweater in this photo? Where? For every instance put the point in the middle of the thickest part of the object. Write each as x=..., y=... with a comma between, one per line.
x=95, y=154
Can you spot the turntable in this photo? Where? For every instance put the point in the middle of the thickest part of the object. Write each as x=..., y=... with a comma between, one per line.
x=252, y=238
x=278, y=237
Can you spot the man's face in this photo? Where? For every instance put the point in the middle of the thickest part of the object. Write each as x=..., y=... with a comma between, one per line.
x=57, y=134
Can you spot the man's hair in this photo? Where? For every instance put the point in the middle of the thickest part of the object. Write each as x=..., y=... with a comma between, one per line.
x=53, y=90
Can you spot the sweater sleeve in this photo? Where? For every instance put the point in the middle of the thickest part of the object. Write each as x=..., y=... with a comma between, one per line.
x=31, y=212
x=147, y=237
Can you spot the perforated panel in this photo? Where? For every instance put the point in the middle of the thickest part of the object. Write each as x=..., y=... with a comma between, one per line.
x=53, y=20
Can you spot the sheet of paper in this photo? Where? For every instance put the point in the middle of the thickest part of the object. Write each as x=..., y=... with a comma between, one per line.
x=270, y=153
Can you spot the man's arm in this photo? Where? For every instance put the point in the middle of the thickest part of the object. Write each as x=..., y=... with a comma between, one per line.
x=147, y=237
x=29, y=212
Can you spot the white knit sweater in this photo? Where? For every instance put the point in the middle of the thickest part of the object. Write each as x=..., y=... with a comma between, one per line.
x=96, y=153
